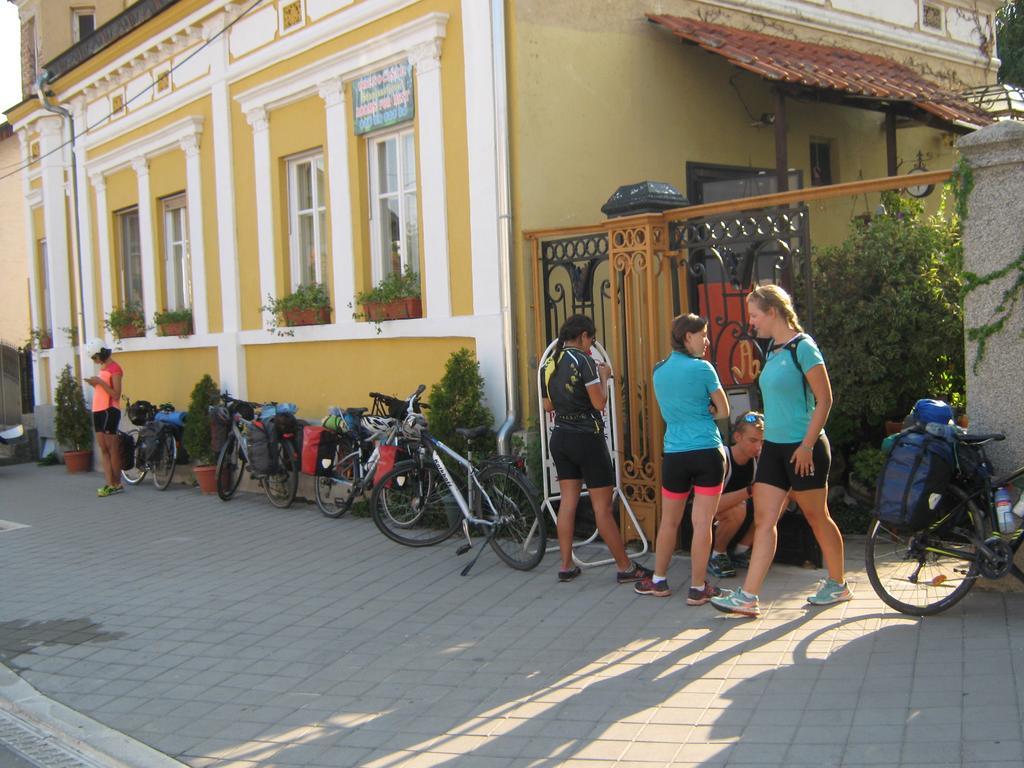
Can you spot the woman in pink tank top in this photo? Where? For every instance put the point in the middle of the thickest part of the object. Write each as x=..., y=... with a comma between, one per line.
x=106, y=413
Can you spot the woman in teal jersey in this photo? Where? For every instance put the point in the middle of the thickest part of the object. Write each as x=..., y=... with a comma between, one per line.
x=690, y=397
x=796, y=457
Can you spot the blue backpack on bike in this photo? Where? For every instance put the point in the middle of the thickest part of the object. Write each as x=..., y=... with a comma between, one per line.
x=912, y=483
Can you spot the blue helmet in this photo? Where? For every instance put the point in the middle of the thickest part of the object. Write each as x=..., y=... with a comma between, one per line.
x=932, y=412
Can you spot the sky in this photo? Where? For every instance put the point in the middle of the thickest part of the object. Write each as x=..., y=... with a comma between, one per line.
x=10, y=56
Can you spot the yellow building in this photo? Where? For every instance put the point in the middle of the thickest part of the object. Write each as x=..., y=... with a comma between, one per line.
x=230, y=152
x=227, y=153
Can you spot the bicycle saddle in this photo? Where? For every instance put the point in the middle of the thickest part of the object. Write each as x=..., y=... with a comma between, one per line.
x=471, y=433
x=982, y=437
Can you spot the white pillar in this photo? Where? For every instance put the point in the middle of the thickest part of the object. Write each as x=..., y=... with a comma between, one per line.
x=85, y=238
x=150, y=304
x=427, y=62
x=260, y=122
x=30, y=232
x=230, y=353
x=342, y=254
x=55, y=219
x=224, y=173
x=99, y=183
x=196, y=245
x=483, y=158
x=32, y=255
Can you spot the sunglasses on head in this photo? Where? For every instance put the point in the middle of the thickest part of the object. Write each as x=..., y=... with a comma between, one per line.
x=752, y=418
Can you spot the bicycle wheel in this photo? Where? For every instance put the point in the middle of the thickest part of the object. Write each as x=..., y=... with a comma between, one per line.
x=333, y=490
x=167, y=456
x=520, y=534
x=412, y=505
x=282, y=486
x=909, y=575
x=135, y=475
x=230, y=465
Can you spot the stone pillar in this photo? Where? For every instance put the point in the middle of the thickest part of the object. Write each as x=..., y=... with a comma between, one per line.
x=993, y=238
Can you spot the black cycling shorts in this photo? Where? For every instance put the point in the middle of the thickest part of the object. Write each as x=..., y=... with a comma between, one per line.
x=106, y=422
x=581, y=456
x=702, y=470
x=775, y=468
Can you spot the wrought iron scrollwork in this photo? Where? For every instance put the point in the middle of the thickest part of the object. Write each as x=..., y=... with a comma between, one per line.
x=575, y=281
x=724, y=257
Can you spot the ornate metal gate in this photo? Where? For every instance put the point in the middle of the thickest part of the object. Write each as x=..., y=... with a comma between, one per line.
x=641, y=271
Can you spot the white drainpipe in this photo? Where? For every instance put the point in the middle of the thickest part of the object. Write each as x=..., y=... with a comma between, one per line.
x=505, y=234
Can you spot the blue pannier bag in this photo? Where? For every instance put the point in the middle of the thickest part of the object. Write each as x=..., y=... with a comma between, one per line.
x=175, y=418
x=912, y=483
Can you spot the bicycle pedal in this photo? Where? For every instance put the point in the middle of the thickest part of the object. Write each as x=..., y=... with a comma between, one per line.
x=463, y=549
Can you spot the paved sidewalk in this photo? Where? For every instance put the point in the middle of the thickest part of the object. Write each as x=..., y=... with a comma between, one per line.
x=241, y=635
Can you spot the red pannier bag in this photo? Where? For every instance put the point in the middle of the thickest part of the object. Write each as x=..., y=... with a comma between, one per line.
x=386, y=463
x=318, y=443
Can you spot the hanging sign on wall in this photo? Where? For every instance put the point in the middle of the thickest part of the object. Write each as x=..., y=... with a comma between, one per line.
x=383, y=98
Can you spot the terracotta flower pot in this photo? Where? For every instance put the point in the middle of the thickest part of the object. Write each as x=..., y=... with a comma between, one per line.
x=293, y=317
x=399, y=309
x=179, y=328
x=129, y=331
x=78, y=461
x=206, y=476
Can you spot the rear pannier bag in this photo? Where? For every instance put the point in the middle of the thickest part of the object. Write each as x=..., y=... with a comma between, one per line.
x=262, y=450
x=149, y=444
x=220, y=426
x=126, y=447
x=913, y=480
x=318, y=448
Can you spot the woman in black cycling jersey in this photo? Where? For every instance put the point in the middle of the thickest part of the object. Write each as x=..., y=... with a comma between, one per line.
x=575, y=388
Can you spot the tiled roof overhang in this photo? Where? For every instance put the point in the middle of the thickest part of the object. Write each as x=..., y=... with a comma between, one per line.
x=851, y=76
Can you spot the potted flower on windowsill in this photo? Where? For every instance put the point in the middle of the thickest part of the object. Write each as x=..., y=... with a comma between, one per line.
x=396, y=297
x=72, y=422
x=41, y=338
x=309, y=304
x=126, y=322
x=174, y=322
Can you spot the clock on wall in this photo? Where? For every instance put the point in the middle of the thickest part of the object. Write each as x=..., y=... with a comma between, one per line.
x=919, y=190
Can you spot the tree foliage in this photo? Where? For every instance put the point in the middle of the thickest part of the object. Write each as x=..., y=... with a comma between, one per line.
x=72, y=421
x=196, y=435
x=458, y=400
x=890, y=323
x=1010, y=41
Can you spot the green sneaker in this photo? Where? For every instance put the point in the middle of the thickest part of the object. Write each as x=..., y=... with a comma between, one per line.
x=720, y=566
x=736, y=601
x=109, y=490
x=830, y=592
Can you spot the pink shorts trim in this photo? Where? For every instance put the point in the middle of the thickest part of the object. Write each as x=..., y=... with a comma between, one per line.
x=674, y=494
x=707, y=490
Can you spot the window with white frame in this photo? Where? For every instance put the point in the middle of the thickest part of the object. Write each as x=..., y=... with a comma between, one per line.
x=83, y=23
x=394, y=226
x=177, y=262
x=307, y=219
x=131, y=256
